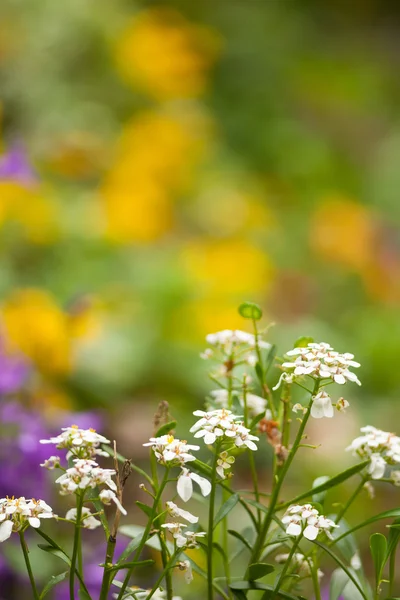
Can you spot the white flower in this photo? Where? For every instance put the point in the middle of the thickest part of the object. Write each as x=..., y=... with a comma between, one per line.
x=224, y=462
x=191, y=538
x=285, y=377
x=305, y=520
x=51, y=463
x=176, y=512
x=222, y=424
x=228, y=339
x=256, y=405
x=83, y=443
x=186, y=566
x=85, y=474
x=107, y=496
x=356, y=562
x=18, y=513
x=185, y=484
x=299, y=408
x=380, y=447
x=171, y=451
x=322, y=406
x=88, y=520
x=176, y=530
x=320, y=361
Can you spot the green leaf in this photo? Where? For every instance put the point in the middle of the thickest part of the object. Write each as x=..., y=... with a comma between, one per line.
x=145, y=508
x=259, y=570
x=55, y=552
x=250, y=310
x=53, y=581
x=394, y=537
x=127, y=565
x=270, y=358
x=226, y=509
x=256, y=504
x=387, y=514
x=240, y=537
x=269, y=591
x=332, y=482
x=338, y=582
x=316, y=483
x=256, y=420
x=83, y=595
x=378, y=546
x=303, y=341
x=342, y=565
x=167, y=428
x=136, y=532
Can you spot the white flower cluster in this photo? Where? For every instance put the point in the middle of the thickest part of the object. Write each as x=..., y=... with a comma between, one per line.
x=233, y=343
x=305, y=520
x=88, y=520
x=320, y=361
x=223, y=425
x=381, y=448
x=183, y=539
x=18, y=513
x=170, y=451
x=82, y=443
x=87, y=474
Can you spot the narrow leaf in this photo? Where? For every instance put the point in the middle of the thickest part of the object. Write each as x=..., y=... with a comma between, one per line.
x=338, y=582
x=240, y=537
x=167, y=428
x=256, y=420
x=387, y=514
x=127, y=565
x=332, y=482
x=259, y=570
x=55, y=552
x=145, y=508
x=378, y=546
x=226, y=509
x=53, y=581
x=320, y=497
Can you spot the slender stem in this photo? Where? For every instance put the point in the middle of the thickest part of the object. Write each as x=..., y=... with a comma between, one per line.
x=314, y=575
x=285, y=568
x=145, y=533
x=262, y=372
x=76, y=544
x=28, y=564
x=350, y=501
x=211, y=526
x=163, y=574
x=258, y=547
x=252, y=462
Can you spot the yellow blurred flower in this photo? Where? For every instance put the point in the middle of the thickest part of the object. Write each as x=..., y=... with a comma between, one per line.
x=163, y=54
x=38, y=327
x=342, y=231
x=31, y=209
x=228, y=267
x=154, y=160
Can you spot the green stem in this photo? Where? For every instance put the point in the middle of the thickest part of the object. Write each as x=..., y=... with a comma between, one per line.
x=262, y=373
x=252, y=462
x=145, y=533
x=350, y=501
x=211, y=526
x=285, y=568
x=28, y=564
x=314, y=576
x=166, y=569
x=76, y=544
x=276, y=490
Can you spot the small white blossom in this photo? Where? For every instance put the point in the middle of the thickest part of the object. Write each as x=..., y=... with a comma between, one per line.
x=342, y=404
x=175, y=530
x=85, y=474
x=320, y=361
x=176, y=512
x=256, y=405
x=322, y=406
x=108, y=496
x=382, y=448
x=299, y=408
x=284, y=378
x=51, y=463
x=83, y=443
x=171, y=451
x=222, y=424
x=88, y=520
x=305, y=520
x=18, y=513
x=228, y=340
x=185, y=484
x=186, y=566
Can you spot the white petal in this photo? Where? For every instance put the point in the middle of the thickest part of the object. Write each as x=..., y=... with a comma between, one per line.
x=5, y=530
x=204, y=484
x=185, y=487
x=34, y=522
x=294, y=529
x=310, y=532
x=317, y=410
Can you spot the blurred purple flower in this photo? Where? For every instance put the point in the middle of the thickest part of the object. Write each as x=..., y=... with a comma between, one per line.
x=14, y=370
x=14, y=166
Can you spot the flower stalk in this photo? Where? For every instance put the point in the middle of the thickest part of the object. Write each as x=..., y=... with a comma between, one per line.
x=25, y=552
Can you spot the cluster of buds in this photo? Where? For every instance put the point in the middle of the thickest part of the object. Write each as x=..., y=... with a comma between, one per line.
x=305, y=520
x=223, y=425
x=183, y=539
x=224, y=463
x=381, y=448
x=321, y=362
x=82, y=443
x=18, y=513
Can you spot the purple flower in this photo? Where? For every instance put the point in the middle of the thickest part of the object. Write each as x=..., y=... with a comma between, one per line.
x=14, y=166
x=14, y=370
